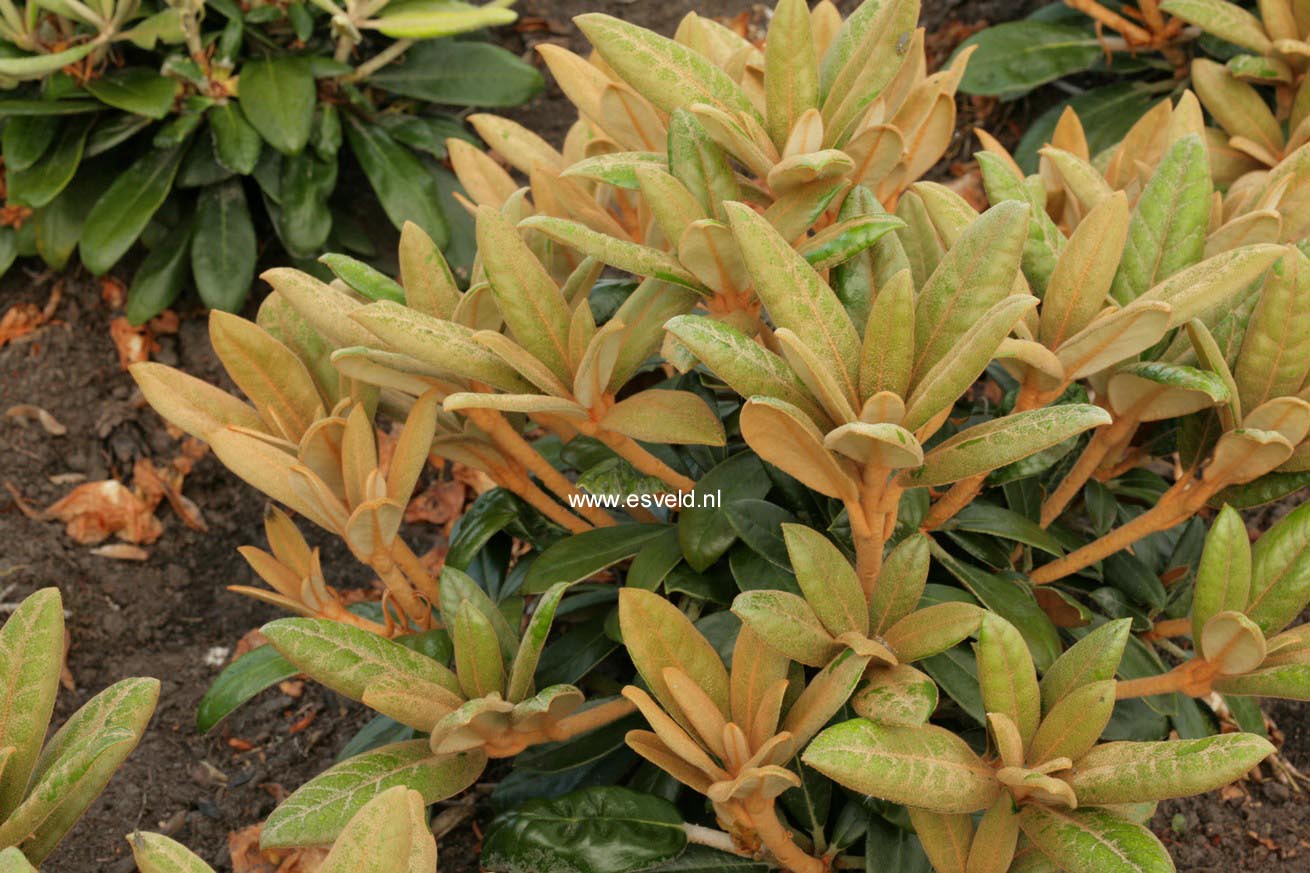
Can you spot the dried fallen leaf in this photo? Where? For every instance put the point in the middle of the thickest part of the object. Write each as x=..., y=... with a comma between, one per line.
x=95, y=511
x=153, y=484
x=251, y=641
x=479, y=481
x=23, y=319
x=439, y=504
x=113, y=292
x=134, y=344
x=26, y=412
x=165, y=322
x=122, y=552
x=243, y=846
x=292, y=688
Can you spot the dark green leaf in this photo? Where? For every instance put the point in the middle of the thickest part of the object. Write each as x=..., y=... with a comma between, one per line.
x=305, y=221
x=278, y=97
x=223, y=249
x=406, y=188
x=986, y=518
x=486, y=517
x=579, y=556
x=596, y=830
x=236, y=144
x=26, y=138
x=459, y=73
x=161, y=276
x=40, y=183
x=241, y=680
x=1015, y=57
x=123, y=211
x=759, y=525
x=136, y=90
x=706, y=534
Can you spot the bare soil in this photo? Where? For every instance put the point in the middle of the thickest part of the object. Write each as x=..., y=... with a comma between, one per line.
x=171, y=618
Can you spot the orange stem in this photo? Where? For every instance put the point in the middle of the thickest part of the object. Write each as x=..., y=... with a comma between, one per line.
x=1173, y=627
x=413, y=568
x=1113, y=20
x=1171, y=509
x=512, y=443
x=960, y=495
x=779, y=841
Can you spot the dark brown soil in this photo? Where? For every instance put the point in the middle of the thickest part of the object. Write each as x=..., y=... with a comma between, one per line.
x=171, y=618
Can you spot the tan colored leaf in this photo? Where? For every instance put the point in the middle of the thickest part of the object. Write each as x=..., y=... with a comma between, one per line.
x=782, y=435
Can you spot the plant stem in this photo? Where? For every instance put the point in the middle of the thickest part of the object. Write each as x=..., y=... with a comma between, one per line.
x=512, y=443
x=592, y=718
x=1173, y=627
x=960, y=495
x=629, y=450
x=413, y=568
x=703, y=836
x=1132, y=32
x=522, y=486
x=400, y=588
x=380, y=60
x=779, y=841
x=1093, y=454
x=1148, y=686
x=1171, y=509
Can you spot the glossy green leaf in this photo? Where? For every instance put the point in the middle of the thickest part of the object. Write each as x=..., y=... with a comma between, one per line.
x=223, y=247
x=1015, y=57
x=241, y=680
x=122, y=212
x=597, y=830
x=41, y=183
x=137, y=90
x=460, y=73
x=278, y=98
x=406, y=188
x=582, y=555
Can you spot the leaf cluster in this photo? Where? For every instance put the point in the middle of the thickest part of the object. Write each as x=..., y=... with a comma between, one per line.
x=198, y=128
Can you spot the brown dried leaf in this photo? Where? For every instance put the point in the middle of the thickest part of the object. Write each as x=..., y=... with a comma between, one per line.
x=23, y=319
x=25, y=412
x=95, y=511
x=243, y=845
x=122, y=552
x=134, y=344
x=439, y=504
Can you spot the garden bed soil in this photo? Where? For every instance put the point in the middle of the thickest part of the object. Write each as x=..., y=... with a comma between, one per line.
x=170, y=617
